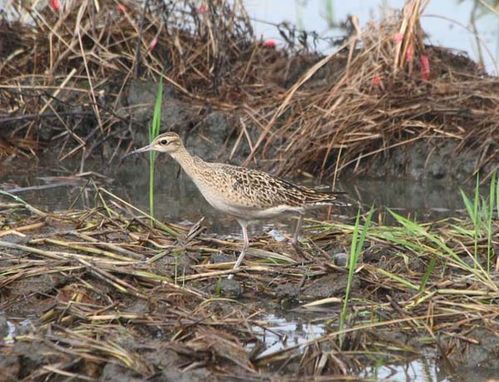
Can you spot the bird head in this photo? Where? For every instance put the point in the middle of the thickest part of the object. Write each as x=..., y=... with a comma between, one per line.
x=166, y=143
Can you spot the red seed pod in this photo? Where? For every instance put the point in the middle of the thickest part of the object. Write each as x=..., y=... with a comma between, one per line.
x=376, y=80
x=398, y=37
x=121, y=8
x=409, y=53
x=55, y=5
x=270, y=43
x=425, y=67
x=153, y=44
x=202, y=9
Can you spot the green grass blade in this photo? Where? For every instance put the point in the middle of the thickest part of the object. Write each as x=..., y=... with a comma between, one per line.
x=489, y=221
x=427, y=274
x=468, y=205
x=358, y=239
x=398, y=279
x=154, y=129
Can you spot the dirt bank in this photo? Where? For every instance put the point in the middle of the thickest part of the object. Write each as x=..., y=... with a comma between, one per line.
x=383, y=104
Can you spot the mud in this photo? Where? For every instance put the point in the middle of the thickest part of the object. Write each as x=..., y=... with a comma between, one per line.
x=162, y=360
x=207, y=133
x=482, y=351
x=68, y=315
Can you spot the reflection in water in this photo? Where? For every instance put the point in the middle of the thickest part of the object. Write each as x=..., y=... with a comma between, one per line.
x=281, y=332
x=177, y=199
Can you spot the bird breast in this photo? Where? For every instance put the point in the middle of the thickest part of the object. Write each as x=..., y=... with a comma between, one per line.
x=234, y=204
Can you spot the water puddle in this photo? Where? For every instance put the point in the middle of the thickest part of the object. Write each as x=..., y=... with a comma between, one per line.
x=50, y=185
x=447, y=23
x=281, y=332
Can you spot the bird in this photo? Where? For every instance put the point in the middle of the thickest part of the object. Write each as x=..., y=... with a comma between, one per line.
x=246, y=194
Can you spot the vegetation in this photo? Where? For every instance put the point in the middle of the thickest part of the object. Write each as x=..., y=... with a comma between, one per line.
x=382, y=89
x=154, y=130
x=358, y=238
x=89, y=293
x=108, y=276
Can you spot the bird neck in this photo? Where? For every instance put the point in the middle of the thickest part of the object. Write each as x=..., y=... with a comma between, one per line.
x=185, y=160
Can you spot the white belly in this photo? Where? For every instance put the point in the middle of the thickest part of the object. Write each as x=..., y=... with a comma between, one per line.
x=250, y=213
x=241, y=211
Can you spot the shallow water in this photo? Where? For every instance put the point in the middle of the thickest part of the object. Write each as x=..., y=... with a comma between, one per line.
x=50, y=185
x=445, y=22
x=178, y=200
x=287, y=329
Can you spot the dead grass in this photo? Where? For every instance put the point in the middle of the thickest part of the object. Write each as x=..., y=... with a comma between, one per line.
x=102, y=288
x=64, y=77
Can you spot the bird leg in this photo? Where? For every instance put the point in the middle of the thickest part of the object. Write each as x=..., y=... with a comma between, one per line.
x=244, y=227
x=296, y=235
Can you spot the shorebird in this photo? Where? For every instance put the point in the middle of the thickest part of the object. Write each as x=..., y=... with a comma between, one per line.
x=246, y=194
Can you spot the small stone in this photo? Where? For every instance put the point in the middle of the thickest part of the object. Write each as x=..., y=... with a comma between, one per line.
x=221, y=257
x=228, y=288
x=340, y=259
x=288, y=295
x=329, y=286
x=287, y=291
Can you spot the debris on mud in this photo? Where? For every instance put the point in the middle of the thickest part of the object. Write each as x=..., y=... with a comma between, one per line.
x=104, y=292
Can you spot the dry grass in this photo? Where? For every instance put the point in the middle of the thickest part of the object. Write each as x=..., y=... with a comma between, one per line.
x=103, y=290
x=64, y=78
x=391, y=91
x=101, y=287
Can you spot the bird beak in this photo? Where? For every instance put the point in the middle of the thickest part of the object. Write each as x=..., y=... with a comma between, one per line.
x=141, y=150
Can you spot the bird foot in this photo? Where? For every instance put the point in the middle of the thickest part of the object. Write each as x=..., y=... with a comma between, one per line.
x=295, y=241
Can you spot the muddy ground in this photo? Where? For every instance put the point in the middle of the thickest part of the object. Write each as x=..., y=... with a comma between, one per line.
x=99, y=295
x=104, y=294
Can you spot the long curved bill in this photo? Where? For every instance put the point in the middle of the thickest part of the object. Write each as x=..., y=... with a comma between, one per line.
x=141, y=150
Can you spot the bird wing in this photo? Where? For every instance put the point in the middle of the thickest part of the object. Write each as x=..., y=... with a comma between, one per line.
x=266, y=191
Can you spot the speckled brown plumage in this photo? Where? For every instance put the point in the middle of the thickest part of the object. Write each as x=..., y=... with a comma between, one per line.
x=243, y=193
x=261, y=190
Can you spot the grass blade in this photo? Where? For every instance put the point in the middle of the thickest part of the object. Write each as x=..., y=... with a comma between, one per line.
x=358, y=239
x=153, y=133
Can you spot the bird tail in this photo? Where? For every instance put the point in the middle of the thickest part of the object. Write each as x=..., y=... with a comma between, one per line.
x=321, y=198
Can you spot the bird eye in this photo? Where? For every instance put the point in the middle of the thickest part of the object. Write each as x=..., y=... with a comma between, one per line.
x=163, y=142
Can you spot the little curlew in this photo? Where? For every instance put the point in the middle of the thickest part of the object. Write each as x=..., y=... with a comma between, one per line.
x=246, y=194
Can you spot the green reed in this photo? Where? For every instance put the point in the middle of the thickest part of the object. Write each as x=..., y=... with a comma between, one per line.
x=358, y=238
x=154, y=128
x=482, y=211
